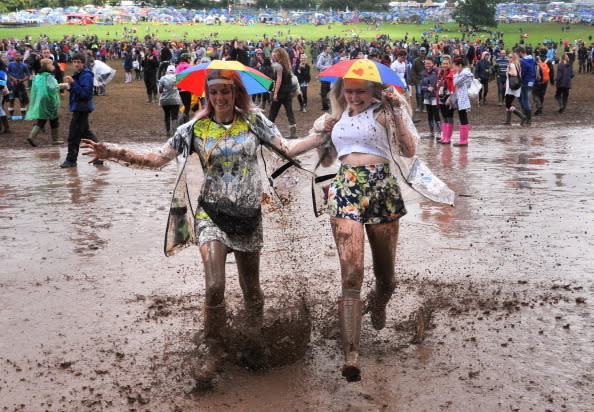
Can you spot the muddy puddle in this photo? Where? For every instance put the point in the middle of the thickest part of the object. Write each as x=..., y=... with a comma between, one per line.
x=496, y=293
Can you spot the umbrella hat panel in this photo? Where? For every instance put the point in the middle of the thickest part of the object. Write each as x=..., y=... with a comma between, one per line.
x=193, y=78
x=362, y=69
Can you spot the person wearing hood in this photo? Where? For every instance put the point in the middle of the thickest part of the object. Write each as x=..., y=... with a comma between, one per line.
x=45, y=102
x=169, y=100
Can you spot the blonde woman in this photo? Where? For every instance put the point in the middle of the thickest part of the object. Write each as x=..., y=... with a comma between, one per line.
x=514, y=79
x=281, y=94
x=368, y=135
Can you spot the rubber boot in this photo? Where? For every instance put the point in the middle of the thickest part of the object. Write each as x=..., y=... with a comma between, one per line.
x=292, y=131
x=56, y=139
x=446, y=133
x=349, y=315
x=521, y=116
x=33, y=134
x=464, y=132
x=560, y=103
x=438, y=129
x=215, y=323
x=167, y=127
x=431, y=130
x=305, y=108
x=149, y=98
x=4, y=120
x=528, y=117
x=508, y=115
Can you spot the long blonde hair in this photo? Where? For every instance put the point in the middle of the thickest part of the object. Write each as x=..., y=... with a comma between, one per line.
x=515, y=60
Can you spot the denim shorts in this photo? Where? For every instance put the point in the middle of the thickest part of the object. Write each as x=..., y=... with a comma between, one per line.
x=367, y=194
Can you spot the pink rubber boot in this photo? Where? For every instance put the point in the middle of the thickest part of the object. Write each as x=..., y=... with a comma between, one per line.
x=446, y=133
x=464, y=131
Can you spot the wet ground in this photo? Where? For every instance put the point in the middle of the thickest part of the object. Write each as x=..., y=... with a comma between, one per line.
x=493, y=310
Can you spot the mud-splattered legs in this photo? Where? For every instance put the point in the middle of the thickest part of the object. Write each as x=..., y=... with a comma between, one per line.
x=248, y=267
x=382, y=240
x=215, y=316
x=349, y=237
x=214, y=255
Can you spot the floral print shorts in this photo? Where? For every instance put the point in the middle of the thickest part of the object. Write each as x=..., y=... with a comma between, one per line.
x=367, y=194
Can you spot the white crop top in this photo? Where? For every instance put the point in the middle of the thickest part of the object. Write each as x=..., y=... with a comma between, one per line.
x=360, y=134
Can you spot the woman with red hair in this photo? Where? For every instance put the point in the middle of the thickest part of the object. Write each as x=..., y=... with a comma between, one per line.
x=226, y=135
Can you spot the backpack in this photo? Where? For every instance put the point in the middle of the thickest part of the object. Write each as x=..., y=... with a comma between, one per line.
x=542, y=72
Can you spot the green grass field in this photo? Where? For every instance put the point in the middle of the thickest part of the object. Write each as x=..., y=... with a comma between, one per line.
x=537, y=32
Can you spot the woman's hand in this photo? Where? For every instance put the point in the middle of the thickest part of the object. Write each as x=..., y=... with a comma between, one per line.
x=329, y=124
x=391, y=98
x=97, y=150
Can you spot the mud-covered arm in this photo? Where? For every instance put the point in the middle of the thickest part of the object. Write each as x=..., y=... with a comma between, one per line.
x=406, y=132
x=295, y=147
x=397, y=120
x=269, y=134
x=326, y=151
x=151, y=159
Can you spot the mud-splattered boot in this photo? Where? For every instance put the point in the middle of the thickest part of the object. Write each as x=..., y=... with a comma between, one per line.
x=438, y=130
x=254, y=313
x=349, y=315
x=4, y=122
x=292, y=131
x=33, y=134
x=56, y=139
x=508, y=115
x=215, y=324
x=431, y=130
x=521, y=116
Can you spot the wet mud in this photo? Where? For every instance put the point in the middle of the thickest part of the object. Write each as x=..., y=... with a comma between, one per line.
x=492, y=309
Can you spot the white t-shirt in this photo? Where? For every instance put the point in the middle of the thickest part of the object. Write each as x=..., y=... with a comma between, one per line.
x=400, y=69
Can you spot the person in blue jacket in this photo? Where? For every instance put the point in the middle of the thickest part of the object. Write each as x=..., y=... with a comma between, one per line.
x=528, y=79
x=80, y=85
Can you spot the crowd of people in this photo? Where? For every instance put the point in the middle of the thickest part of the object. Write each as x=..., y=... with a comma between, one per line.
x=364, y=128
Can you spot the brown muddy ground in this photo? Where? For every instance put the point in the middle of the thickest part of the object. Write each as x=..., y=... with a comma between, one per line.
x=493, y=309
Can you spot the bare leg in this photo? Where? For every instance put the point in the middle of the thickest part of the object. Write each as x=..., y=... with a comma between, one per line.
x=382, y=239
x=248, y=266
x=349, y=237
x=213, y=255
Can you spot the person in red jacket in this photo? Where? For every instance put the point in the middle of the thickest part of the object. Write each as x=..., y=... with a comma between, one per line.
x=445, y=87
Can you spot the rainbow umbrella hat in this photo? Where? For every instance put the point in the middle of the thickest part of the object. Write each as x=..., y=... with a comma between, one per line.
x=362, y=69
x=193, y=79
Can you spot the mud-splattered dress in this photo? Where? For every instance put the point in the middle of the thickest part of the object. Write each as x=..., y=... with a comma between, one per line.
x=228, y=154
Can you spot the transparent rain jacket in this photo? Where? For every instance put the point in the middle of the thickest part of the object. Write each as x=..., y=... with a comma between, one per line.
x=179, y=231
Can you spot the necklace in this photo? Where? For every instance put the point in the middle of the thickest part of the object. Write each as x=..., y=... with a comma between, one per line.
x=214, y=146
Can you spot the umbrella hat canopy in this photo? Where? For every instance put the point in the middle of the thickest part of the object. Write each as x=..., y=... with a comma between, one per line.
x=362, y=69
x=193, y=79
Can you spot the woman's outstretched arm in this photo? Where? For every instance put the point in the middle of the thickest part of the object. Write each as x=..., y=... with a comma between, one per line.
x=153, y=159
